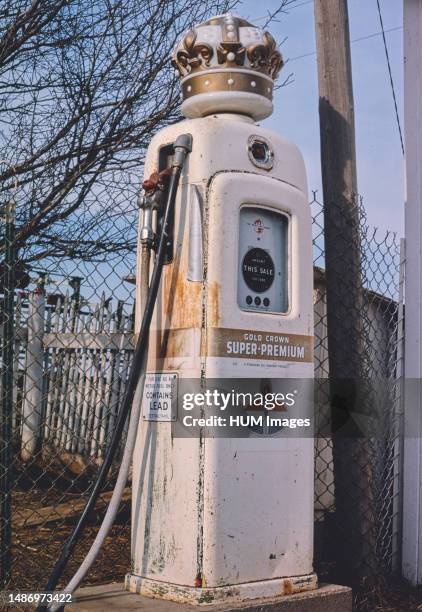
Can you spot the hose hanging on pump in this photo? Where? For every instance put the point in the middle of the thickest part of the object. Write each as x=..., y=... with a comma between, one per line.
x=182, y=146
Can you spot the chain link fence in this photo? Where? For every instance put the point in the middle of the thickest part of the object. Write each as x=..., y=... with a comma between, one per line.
x=66, y=333
x=358, y=473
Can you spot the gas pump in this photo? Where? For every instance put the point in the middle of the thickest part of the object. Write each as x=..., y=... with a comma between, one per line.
x=226, y=518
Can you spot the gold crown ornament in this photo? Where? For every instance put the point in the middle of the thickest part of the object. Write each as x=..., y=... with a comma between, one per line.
x=227, y=65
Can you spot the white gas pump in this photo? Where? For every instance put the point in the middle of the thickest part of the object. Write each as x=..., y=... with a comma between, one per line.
x=223, y=518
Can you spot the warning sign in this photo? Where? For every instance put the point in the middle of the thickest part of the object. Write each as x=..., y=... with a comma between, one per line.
x=159, y=401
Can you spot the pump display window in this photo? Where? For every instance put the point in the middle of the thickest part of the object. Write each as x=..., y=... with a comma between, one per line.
x=263, y=260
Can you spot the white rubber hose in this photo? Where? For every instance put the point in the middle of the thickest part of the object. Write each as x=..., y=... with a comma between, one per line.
x=114, y=504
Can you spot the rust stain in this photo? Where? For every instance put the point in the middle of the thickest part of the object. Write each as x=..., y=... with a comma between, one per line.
x=171, y=348
x=155, y=342
x=214, y=291
x=288, y=587
x=203, y=348
x=171, y=364
x=173, y=343
x=182, y=306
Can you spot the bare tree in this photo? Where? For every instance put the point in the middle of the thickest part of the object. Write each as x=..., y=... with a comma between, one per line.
x=84, y=85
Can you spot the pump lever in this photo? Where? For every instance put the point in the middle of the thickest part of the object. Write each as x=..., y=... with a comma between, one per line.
x=157, y=180
x=154, y=188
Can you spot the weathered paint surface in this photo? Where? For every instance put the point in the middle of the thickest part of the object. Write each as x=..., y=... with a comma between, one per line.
x=214, y=305
x=231, y=515
x=183, y=308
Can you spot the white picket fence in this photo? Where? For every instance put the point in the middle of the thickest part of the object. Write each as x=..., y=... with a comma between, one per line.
x=71, y=365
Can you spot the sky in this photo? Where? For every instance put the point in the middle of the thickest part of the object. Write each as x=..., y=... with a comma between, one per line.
x=379, y=155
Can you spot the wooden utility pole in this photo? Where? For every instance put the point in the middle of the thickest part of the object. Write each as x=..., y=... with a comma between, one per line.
x=412, y=468
x=355, y=539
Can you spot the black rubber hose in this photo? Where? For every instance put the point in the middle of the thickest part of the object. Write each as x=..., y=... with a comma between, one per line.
x=182, y=146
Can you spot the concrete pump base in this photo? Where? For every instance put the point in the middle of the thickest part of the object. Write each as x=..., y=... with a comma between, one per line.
x=326, y=598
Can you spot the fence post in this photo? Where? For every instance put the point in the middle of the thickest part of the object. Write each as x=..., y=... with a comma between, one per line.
x=33, y=387
x=6, y=449
x=352, y=455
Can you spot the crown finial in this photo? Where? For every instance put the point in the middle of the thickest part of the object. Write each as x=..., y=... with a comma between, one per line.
x=227, y=65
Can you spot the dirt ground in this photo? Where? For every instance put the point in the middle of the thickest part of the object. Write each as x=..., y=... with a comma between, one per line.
x=35, y=547
x=35, y=551
x=398, y=597
x=392, y=594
